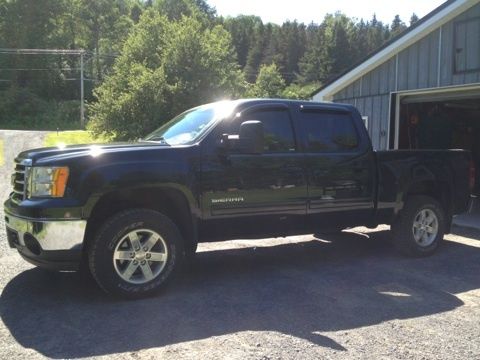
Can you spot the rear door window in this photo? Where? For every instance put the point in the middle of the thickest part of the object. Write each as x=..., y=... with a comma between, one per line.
x=326, y=131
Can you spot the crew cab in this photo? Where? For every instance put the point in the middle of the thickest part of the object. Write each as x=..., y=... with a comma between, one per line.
x=131, y=213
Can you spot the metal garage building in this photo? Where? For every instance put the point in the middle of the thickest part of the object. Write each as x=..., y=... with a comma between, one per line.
x=422, y=89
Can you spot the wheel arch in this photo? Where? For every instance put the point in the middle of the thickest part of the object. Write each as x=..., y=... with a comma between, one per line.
x=168, y=200
x=440, y=191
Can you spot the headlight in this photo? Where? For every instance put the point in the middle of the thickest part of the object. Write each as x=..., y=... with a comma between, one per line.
x=47, y=181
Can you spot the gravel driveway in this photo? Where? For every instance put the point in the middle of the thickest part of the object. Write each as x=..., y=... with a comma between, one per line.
x=348, y=295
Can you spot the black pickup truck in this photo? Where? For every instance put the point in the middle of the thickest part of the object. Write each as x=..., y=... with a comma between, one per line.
x=130, y=213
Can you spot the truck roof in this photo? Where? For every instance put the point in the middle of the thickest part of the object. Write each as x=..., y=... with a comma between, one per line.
x=255, y=101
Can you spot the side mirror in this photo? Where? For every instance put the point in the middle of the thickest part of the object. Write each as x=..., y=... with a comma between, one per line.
x=251, y=137
x=250, y=140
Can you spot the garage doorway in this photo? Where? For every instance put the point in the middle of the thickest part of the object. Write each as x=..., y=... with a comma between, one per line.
x=441, y=120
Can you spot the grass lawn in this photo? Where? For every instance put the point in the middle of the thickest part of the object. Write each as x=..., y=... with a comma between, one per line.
x=71, y=138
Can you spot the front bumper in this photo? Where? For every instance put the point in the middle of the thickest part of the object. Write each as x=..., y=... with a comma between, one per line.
x=53, y=244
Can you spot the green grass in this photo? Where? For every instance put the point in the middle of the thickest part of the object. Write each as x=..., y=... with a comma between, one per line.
x=71, y=138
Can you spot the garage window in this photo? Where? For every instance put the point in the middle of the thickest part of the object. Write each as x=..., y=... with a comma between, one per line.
x=467, y=45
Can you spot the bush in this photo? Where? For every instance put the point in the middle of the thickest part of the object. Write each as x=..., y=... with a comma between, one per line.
x=67, y=112
x=269, y=83
x=21, y=109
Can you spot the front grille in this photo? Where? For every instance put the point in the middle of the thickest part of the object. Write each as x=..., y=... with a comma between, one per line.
x=19, y=181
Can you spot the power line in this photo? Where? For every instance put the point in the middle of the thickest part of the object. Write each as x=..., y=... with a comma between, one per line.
x=42, y=51
x=45, y=69
x=54, y=52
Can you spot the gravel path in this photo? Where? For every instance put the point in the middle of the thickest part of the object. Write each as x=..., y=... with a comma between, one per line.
x=344, y=296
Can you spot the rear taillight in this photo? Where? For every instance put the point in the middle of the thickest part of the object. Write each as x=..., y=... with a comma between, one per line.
x=471, y=175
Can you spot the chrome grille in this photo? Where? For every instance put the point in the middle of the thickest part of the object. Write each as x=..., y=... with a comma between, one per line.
x=19, y=179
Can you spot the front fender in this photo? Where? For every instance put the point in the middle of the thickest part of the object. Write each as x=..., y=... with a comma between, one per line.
x=98, y=181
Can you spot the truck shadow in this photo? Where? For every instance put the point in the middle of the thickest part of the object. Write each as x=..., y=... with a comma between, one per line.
x=300, y=289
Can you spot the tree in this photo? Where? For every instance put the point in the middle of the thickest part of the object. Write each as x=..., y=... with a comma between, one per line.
x=269, y=84
x=135, y=12
x=315, y=64
x=377, y=34
x=292, y=43
x=42, y=19
x=255, y=53
x=331, y=50
x=413, y=19
x=202, y=5
x=165, y=67
x=397, y=26
x=107, y=23
x=340, y=51
x=175, y=9
x=242, y=29
x=271, y=46
x=200, y=64
x=131, y=98
x=299, y=92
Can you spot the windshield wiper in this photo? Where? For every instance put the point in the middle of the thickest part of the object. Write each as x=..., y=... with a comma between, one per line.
x=160, y=139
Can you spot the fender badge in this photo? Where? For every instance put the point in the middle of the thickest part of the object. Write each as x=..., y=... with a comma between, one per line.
x=228, y=200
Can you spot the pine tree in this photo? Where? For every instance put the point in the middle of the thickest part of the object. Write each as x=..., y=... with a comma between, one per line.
x=413, y=19
x=397, y=26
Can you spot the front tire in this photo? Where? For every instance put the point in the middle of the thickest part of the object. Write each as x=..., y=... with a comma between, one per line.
x=135, y=253
x=420, y=227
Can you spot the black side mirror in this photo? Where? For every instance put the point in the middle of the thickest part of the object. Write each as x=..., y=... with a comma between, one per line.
x=250, y=140
x=251, y=137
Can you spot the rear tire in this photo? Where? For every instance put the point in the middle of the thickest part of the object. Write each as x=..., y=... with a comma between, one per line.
x=135, y=253
x=420, y=227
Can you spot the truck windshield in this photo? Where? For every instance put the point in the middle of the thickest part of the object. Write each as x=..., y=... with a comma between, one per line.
x=187, y=127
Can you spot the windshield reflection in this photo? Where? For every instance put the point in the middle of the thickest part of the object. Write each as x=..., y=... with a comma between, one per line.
x=187, y=127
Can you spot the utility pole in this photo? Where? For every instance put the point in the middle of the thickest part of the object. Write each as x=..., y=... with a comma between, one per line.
x=82, y=102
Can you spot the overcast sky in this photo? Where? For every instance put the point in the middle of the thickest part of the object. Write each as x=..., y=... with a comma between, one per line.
x=277, y=11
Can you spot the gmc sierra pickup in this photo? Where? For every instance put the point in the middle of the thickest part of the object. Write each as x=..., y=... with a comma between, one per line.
x=130, y=213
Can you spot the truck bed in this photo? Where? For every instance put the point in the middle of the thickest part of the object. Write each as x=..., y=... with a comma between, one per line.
x=402, y=172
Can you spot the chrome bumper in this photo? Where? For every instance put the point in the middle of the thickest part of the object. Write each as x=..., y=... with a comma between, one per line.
x=50, y=235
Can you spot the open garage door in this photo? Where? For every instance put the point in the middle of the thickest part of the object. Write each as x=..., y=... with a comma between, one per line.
x=441, y=96
x=441, y=120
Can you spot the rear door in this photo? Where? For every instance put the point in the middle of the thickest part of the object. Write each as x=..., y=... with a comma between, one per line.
x=340, y=167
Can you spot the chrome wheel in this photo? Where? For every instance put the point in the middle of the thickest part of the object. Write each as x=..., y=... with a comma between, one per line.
x=140, y=256
x=425, y=227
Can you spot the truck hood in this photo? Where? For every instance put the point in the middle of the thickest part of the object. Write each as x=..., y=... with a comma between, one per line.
x=51, y=154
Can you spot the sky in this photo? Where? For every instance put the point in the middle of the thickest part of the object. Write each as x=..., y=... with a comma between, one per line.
x=306, y=11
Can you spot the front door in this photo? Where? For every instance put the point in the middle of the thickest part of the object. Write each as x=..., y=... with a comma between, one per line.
x=245, y=195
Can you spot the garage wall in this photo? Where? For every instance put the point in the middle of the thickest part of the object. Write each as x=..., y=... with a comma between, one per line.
x=416, y=67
